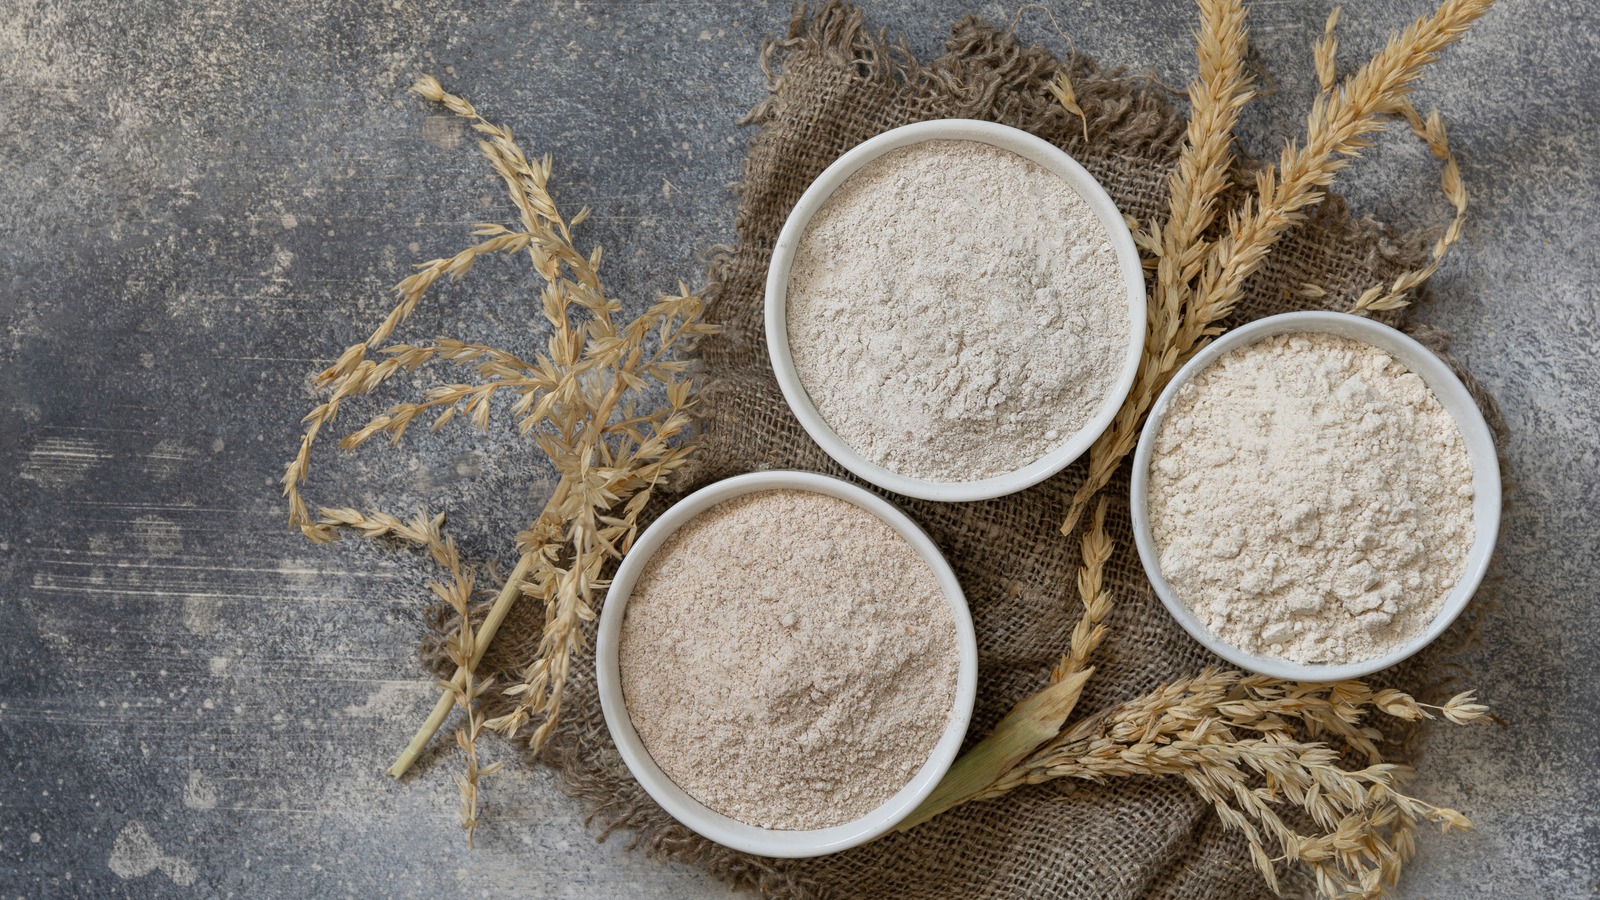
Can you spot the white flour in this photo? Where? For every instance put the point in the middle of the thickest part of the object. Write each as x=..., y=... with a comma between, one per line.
x=956, y=311
x=788, y=660
x=1311, y=500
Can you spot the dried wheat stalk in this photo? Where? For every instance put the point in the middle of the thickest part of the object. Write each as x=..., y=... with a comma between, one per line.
x=605, y=399
x=1337, y=129
x=1220, y=90
x=1095, y=548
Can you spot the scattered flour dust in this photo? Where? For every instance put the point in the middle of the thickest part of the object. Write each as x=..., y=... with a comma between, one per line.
x=956, y=311
x=788, y=660
x=135, y=854
x=1310, y=499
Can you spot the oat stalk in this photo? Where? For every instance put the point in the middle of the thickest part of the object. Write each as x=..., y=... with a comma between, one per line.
x=1256, y=748
x=1325, y=53
x=462, y=647
x=465, y=643
x=607, y=400
x=463, y=674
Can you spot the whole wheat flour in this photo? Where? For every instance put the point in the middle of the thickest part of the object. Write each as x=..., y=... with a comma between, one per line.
x=788, y=660
x=956, y=311
x=1311, y=500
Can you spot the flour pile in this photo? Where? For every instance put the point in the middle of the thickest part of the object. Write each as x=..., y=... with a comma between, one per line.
x=956, y=311
x=788, y=660
x=1311, y=500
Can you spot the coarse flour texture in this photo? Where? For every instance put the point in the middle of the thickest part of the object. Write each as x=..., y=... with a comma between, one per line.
x=788, y=660
x=1310, y=499
x=956, y=311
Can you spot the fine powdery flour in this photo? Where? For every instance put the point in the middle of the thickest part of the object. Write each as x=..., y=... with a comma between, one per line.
x=956, y=311
x=1310, y=499
x=788, y=660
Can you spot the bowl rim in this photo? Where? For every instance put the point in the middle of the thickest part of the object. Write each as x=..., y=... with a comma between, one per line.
x=1452, y=395
x=723, y=829
x=1030, y=147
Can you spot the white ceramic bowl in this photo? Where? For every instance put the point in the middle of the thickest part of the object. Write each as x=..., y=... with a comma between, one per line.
x=727, y=831
x=1023, y=144
x=1453, y=396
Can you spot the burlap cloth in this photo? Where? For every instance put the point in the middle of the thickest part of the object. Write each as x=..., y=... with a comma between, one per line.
x=834, y=84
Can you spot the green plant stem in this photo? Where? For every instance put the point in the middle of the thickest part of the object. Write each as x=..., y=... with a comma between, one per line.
x=1033, y=721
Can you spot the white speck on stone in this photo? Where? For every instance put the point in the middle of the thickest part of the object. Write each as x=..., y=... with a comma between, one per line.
x=199, y=793
x=135, y=855
x=200, y=614
x=391, y=699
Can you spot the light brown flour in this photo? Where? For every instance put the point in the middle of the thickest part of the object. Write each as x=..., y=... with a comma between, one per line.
x=956, y=311
x=1311, y=500
x=788, y=660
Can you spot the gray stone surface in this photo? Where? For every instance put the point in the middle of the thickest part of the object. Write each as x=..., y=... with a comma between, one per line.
x=203, y=202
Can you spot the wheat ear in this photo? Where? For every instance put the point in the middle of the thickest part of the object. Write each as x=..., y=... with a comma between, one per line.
x=1219, y=91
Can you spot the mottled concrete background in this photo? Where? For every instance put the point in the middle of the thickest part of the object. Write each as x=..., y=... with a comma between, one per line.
x=201, y=203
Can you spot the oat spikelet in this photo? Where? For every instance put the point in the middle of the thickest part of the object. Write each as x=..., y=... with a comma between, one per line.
x=1061, y=88
x=588, y=398
x=1325, y=52
x=1254, y=748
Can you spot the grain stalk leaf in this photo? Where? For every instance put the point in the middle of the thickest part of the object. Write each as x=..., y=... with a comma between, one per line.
x=1032, y=722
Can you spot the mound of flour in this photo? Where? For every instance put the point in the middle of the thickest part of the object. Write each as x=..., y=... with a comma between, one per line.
x=1311, y=500
x=956, y=311
x=788, y=659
